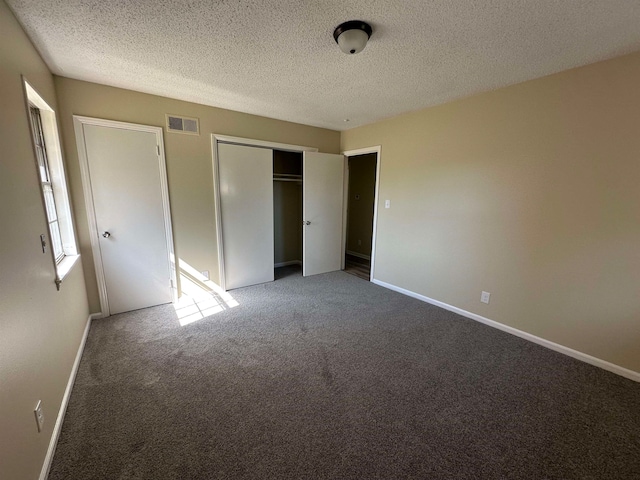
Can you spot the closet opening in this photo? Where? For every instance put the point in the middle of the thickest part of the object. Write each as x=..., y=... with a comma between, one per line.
x=287, y=213
x=253, y=236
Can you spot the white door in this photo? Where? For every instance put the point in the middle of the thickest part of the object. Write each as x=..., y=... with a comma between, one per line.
x=322, y=197
x=125, y=181
x=245, y=177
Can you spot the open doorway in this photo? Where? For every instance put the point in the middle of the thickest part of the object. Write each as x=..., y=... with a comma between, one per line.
x=360, y=223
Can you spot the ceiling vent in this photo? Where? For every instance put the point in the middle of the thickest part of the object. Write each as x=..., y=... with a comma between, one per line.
x=178, y=124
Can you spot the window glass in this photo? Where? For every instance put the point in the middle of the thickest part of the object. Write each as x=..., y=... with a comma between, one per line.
x=47, y=188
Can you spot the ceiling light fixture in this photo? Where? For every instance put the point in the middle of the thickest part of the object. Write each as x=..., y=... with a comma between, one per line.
x=352, y=36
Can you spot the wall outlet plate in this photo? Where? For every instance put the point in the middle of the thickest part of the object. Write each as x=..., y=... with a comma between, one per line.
x=484, y=297
x=205, y=274
x=387, y=204
x=39, y=415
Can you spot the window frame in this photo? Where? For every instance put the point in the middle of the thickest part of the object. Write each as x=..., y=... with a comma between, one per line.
x=65, y=253
x=51, y=209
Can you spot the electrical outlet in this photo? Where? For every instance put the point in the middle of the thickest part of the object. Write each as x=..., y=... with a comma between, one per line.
x=39, y=415
x=387, y=204
x=484, y=297
x=205, y=274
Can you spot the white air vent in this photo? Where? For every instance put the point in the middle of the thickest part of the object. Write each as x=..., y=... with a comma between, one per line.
x=178, y=124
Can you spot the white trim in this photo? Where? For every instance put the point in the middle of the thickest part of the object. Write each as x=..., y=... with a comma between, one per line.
x=359, y=255
x=217, y=212
x=66, y=265
x=91, y=215
x=363, y=151
x=305, y=264
x=57, y=172
x=345, y=211
x=46, y=466
x=262, y=143
x=215, y=139
x=286, y=264
x=101, y=122
x=611, y=367
x=166, y=209
x=78, y=123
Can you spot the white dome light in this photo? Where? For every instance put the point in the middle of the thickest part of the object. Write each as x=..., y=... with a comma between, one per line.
x=352, y=36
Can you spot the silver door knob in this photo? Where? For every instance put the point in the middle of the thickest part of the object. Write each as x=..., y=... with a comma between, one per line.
x=306, y=223
x=106, y=234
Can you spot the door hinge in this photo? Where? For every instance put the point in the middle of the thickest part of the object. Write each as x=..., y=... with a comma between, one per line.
x=158, y=149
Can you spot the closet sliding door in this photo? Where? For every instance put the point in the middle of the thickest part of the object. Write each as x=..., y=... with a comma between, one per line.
x=246, y=208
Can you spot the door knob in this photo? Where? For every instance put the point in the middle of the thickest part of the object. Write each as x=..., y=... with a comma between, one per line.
x=306, y=223
x=106, y=234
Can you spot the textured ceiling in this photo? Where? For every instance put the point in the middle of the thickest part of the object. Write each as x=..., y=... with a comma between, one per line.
x=277, y=58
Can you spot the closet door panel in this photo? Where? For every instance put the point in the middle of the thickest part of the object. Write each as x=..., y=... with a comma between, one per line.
x=246, y=208
x=322, y=198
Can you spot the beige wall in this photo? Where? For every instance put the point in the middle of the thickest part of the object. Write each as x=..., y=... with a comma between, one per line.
x=362, y=189
x=532, y=193
x=189, y=167
x=287, y=221
x=529, y=192
x=40, y=328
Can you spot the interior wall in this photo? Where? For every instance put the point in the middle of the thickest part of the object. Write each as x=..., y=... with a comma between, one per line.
x=530, y=193
x=287, y=221
x=362, y=190
x=189, y=167
x=40, y=328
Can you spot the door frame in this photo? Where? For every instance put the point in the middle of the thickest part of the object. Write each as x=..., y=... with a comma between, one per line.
x=377, y=149
x=78, y=124
x=248, y=142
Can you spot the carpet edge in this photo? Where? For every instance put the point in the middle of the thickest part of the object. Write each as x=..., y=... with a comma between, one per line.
x=48, y=459
x=584, y=357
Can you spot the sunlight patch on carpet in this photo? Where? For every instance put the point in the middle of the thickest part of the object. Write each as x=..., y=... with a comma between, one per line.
x=200, y=298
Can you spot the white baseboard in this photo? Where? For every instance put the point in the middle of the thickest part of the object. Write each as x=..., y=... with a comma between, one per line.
x=611, y=367
x=285, y=264
x=359, y=255
x=44, y=473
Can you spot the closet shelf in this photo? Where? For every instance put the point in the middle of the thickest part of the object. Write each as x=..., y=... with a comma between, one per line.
x=286, y=177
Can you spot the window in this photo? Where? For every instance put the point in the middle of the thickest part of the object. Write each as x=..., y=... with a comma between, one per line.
x=45, y=181
x=51, y=176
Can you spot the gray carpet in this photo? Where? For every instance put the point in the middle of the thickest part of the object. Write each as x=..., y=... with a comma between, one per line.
x=334, y=377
